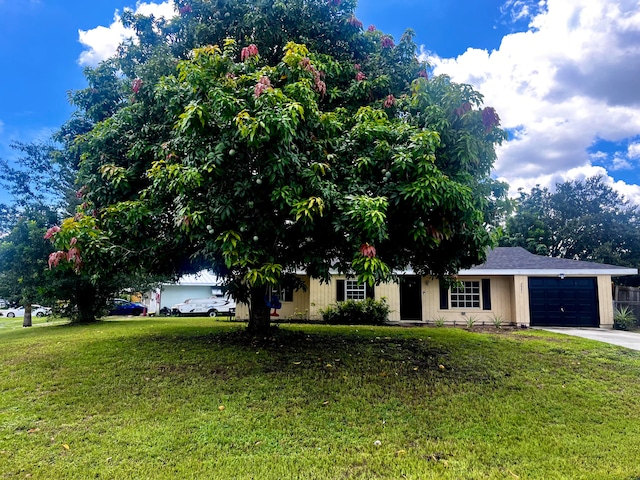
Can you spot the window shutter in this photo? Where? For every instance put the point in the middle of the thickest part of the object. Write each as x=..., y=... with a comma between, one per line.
x=370, y=291
x=340, y=290
x=444, y=296
x=486, y=294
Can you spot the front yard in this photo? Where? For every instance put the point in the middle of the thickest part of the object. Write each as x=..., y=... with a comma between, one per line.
x=194, y=398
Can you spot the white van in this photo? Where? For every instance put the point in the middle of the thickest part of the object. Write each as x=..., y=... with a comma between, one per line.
x=212, y=306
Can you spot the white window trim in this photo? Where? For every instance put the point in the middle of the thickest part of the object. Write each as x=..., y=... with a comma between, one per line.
x=280, y=292
x=466, y=295
x=354, y=291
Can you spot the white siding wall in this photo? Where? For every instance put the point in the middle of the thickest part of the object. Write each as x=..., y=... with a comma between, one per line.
x=297, y=309
x=501, y=303
x=509, y=301
x=605, y=301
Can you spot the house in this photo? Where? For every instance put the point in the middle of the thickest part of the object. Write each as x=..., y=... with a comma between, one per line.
x=513, y=286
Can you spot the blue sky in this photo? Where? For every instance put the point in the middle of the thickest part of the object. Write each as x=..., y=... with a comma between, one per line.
x=562, y=75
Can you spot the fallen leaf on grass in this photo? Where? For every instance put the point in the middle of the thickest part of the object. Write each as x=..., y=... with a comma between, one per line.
x=221, y=407
x=325, y=403
x=65, y=446
x=297, y=363
x=33, y=430
x=401, y=452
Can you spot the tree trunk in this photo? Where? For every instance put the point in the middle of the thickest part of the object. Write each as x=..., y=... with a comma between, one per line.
x=26, y=321
x=259, y=319
x=87, y=302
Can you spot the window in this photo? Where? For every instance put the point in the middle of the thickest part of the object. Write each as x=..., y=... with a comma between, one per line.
x=352, y=290
x=466, y=295
x=355, y=291
x=284, y=294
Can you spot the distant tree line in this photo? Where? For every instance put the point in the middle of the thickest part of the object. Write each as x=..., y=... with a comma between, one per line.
x=582, y=220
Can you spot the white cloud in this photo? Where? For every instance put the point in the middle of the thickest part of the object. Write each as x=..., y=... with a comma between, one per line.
x=620, y=163
x=1, y=126
x=517, y=10
x=634, y=150
x=630, y=191
x=567, y=81
x=102, y=42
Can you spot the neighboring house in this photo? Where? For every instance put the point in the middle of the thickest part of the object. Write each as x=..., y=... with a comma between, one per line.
x=200, y=285
x=513, y=285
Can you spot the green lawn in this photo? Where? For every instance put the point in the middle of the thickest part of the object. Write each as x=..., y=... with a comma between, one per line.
x=181, y=398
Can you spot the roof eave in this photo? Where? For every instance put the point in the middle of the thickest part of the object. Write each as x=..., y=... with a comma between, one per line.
x=547, y=272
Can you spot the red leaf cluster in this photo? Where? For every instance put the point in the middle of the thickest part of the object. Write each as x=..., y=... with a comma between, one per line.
x=390, y=101
x=51, y=232
x=249, y=52
x=387, y=42
x=136, y=85
x=490, y=118
x=262, y=86
x=368, y=250
x=320, y=86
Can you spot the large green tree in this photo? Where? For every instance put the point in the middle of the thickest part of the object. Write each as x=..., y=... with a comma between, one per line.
x=584, y=219
x=41, y=183
x=289, y=140
x=24, y=277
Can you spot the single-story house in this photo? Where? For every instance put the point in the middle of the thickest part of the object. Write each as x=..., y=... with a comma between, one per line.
x=513, y=285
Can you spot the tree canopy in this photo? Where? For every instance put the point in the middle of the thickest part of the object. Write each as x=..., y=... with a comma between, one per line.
x=265, y=138
x=583, y=220
x=24, y=278
x=41, y=182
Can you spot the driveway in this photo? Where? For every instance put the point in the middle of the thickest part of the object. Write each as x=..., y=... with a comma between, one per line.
x=614, y=337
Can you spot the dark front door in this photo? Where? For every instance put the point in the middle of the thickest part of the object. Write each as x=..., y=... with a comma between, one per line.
x=410, y=298
x=568, y=302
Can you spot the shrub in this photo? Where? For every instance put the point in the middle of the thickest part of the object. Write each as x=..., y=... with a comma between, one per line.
x=439, y=322
x=351, y=312
x=471, y=321
x=624, y=319
x=497, y=321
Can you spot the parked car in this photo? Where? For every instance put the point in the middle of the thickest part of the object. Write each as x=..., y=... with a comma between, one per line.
x=36, y=310
x=120, y=306
x=212, y=306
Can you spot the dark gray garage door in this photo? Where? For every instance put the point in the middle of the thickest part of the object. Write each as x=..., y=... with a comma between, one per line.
x=568, y=302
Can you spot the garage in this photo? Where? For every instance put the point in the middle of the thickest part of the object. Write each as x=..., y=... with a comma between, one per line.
x=563, y=302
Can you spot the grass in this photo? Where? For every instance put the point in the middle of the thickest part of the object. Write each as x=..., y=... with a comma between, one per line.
x=194, y=398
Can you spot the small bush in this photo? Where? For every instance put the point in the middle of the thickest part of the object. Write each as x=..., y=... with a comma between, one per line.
x=624, y=319
x=351, y=312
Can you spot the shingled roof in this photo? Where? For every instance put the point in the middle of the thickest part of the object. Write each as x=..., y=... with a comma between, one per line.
x=518, y=261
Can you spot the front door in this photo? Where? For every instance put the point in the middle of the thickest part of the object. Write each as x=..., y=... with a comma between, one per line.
x=410, y=297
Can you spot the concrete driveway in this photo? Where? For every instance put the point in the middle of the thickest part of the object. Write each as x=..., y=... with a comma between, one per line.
x=615, y=337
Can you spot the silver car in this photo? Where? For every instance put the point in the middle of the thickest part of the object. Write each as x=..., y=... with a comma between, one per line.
x=36, y=310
